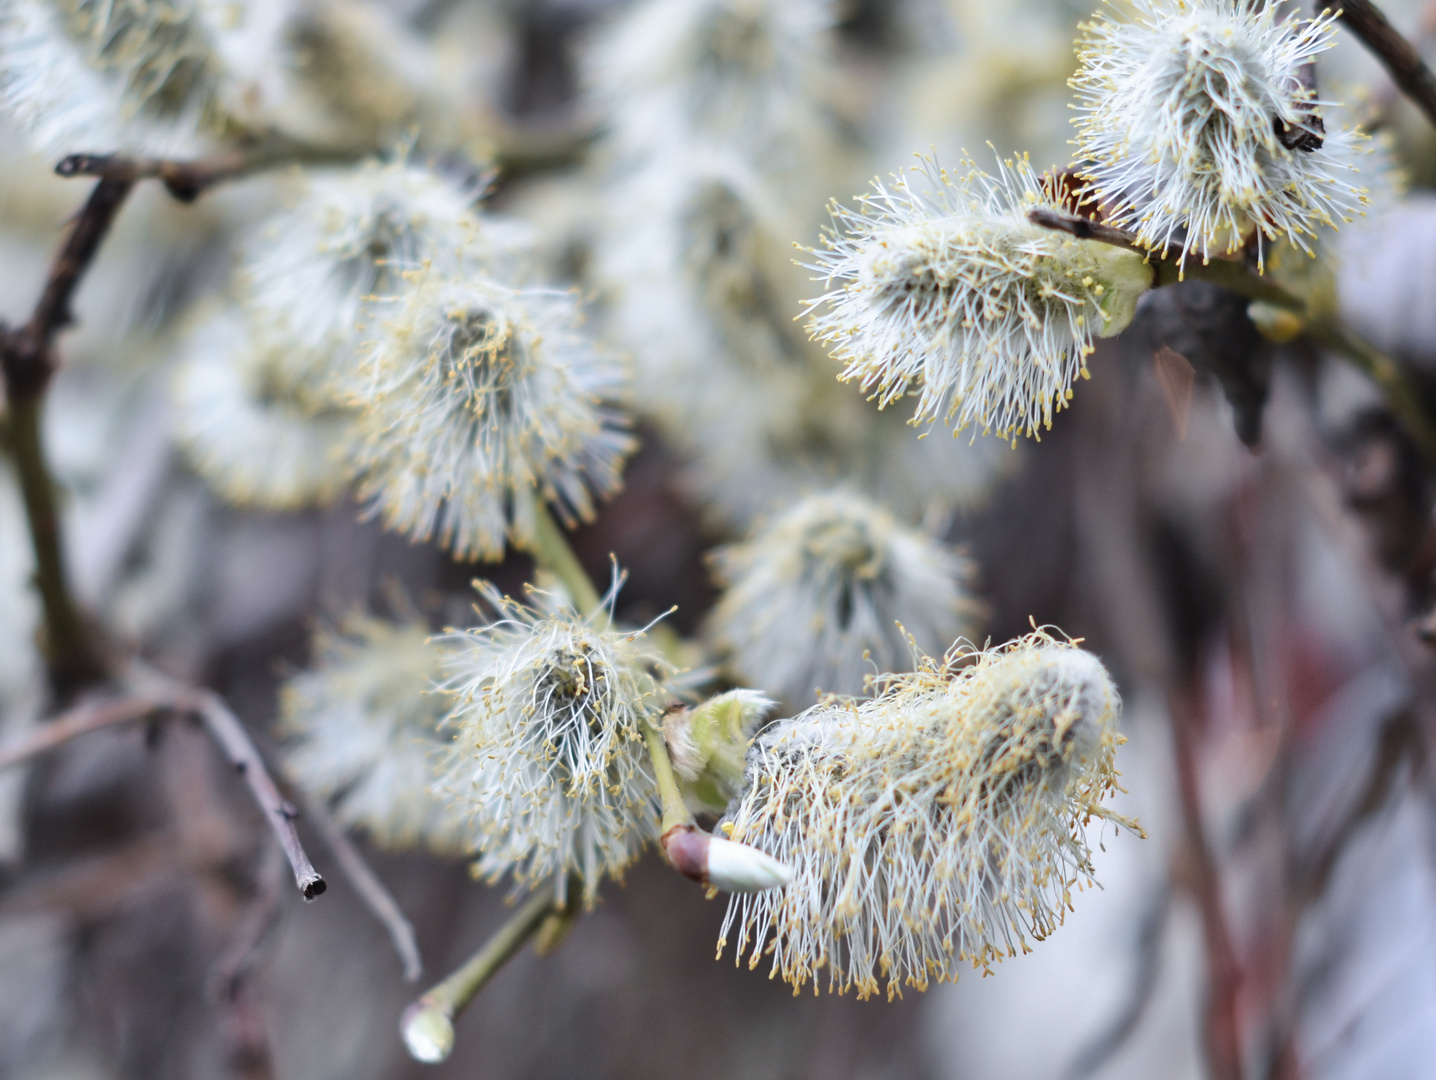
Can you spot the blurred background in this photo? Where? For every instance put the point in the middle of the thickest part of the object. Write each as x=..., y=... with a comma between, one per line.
x=1263, y=599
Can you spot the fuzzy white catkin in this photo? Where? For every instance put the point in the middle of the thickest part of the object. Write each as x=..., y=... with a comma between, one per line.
x=86, y=76
x=937, y=824
x=364, y=720
x=482, y=404
x=745, y=71
x=549, y=762
x=1182, y=103
x=320, y=275
x=243, y=428
x=939, y=279
x=813, y=601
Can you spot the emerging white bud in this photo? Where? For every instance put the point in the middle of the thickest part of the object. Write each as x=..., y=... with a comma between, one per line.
x=1198, y=129
x=738, y=868
x=941, y=280
x=428, y=1033
x=723, y=864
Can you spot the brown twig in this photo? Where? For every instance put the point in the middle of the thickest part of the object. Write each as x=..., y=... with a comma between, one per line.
x=27, y=360
x=371, y=890
x=224, y=728
x=81, y=720
x=186, y=181
x=1224, y=974
x=234, y=965
x=237, y=746
x=1397, y=55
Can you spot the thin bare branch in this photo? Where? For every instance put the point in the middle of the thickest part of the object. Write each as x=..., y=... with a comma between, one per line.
x=27, y=361
x=224, y=728
x=1223, y=1031
x=237, y=746
x=1397, y=55
x=186, y=181
x=81, y=720
x=231, y=969
x=371, y=890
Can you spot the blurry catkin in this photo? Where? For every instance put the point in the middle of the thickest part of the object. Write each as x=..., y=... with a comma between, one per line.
x=939, y=279
x=136, y=76
x=318, y=277
x=243, y=428
x=1199, y=130
x=365, y=723
x=936, y=824
x=481, y=404
x=813, y=601
x=549, y=762
x=741, y=70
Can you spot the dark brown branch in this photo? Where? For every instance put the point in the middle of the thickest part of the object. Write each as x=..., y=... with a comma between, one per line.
x=235, y=964
x=81, y=720
x=224, y=728
x=1224, y=973
x=72, y=657
x=186, y=181
x=237, y=746
x=27, y=360
x=371, y=890
x=1397, y=55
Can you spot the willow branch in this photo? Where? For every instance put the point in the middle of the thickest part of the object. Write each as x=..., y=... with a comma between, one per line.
x=1224, y=972
x=1402, y=397
x=552, y=552
x=81, y=720
x=223, y=727
x=237, y=746
x=371, y=890
x=27, y=361
x=186, y=181
x=1397, y=55
x=428, y=1024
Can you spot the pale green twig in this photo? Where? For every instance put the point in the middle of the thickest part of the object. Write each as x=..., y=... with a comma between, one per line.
x=552, y=552
x=428, y=1024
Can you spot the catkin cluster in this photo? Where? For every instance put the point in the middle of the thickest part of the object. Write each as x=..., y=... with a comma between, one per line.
x=936, y=824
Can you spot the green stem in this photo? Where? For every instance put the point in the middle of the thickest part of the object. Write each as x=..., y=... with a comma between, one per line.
x=1230, y=275
x=1402, y=396
x=428, y=1022
x=675, y=810
x=68, y=648
x=551, y=551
